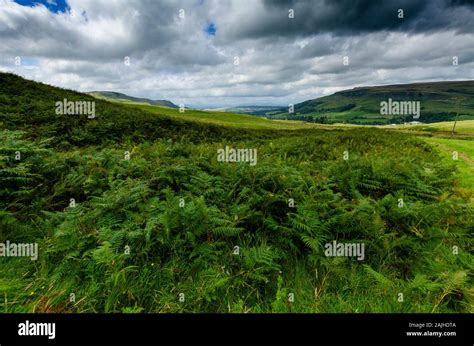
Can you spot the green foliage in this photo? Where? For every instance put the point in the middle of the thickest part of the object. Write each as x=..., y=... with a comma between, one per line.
x=173, y=230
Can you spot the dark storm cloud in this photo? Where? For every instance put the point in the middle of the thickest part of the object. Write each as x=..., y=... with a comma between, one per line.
x=351, y=17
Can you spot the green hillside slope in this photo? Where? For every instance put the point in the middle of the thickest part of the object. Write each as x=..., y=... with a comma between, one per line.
x=29, y=106
x=224, y=118
x=439, y=101
x=119, y=97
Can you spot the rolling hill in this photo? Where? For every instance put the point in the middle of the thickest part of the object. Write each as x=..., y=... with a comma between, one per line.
x=439, y=101
x=228, y=119
x=30, y=106
x=119, y=97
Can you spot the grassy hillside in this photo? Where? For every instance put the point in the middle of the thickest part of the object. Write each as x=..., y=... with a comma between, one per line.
x=465, y=156
x=245, y=109
x=159, y=225
x=464, y=127
x=30, y=106
x=119, y=97
x=224, y=118
x=227, y=119
x=439, y=101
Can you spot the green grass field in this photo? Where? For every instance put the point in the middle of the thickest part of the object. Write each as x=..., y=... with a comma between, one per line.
x=223, y=118
x=439, y=135
x=465, y=157
x=462, y=127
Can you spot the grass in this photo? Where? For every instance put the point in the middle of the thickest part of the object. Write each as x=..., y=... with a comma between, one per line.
x=439, y=135
x=465, y=162
x=462, y=127
x=223, y=118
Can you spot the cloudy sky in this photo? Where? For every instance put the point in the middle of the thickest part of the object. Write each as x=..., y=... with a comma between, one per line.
x=205, y=53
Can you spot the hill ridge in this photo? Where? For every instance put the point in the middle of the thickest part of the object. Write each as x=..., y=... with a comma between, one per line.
x=439, y=101
x=117, y=96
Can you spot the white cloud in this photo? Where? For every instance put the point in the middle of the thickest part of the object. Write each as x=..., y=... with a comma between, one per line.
x=172, y=58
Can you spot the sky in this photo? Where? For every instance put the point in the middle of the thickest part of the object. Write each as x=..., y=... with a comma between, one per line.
x=225, y=53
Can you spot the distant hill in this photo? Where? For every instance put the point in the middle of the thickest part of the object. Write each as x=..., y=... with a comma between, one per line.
x=111, y=95
x=439, y=101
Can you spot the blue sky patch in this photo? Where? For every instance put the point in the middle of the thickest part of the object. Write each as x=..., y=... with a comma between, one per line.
x=54, y=6
x=211, y=29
